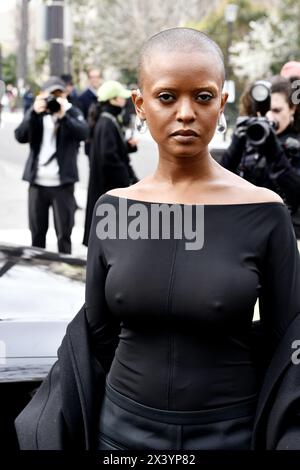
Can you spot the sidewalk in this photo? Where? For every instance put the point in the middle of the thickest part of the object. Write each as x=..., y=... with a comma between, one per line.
x=17, y=235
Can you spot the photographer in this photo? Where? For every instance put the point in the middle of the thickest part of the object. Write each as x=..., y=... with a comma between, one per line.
x=265, y=148
x=54, y=129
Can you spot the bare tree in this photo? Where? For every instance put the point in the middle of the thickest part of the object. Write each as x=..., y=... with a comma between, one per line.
x=110, y=32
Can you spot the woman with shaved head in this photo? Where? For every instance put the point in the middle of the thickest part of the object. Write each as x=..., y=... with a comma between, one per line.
x=171, y=326
x=170, y=318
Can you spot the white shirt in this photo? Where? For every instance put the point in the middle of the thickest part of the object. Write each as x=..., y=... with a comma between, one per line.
x=48, y=175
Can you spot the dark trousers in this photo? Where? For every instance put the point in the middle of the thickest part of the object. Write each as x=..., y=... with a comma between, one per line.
x=125, y=424
x=61, y=199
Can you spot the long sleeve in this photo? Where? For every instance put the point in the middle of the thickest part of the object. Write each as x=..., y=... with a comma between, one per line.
x=30, y=129
x=22, y=131
x=287, y=180
x=279, y=300
x=104, y=328
x=75, y=124
x=280, y=170
x=114, y=168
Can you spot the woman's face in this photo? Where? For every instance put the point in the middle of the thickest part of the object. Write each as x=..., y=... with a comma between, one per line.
x=181, y=100
x=280, y=111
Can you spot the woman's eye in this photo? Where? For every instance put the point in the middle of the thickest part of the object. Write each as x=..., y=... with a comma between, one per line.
x=204, y=97
x=165, y=97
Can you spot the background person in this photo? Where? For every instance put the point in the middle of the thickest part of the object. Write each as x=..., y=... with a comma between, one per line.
x=72, y=95
x=88, y=97
x=274, y=163
x=291, y=70
x=109, y=161
x=53, y=130
x=28, y=99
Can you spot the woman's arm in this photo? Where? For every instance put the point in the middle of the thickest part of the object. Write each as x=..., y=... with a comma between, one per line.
x=279, y=300
x=104, y=328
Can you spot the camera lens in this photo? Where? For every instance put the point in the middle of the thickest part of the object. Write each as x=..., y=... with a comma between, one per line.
x=258, y=130
x=259, y=92
x=53, y=105
x=261, y=97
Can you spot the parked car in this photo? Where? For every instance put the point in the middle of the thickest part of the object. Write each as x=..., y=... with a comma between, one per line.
x=40, y=293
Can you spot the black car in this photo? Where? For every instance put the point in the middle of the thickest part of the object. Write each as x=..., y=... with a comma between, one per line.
x=40, y=293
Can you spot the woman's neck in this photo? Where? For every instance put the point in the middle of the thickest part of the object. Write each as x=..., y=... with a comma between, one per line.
x=175, y=170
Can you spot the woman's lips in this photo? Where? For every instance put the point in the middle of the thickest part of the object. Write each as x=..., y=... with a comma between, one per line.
x=185, y=136
x=185, y=139
x=185, y=132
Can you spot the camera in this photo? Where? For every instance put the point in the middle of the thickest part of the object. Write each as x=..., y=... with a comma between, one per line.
x=52, y=105
x=258, y=128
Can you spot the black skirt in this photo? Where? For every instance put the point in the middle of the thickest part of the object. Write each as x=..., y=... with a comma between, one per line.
x=125, y=424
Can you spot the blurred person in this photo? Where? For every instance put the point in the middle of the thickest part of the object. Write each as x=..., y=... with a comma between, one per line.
x=274, y=163
x=72, y=95
x=109, y=161
x=128, y=113
x=89, y=97
x=53, y=128
x=73, y=98
x=12, y=95
x=291, y=71
x=28, y=99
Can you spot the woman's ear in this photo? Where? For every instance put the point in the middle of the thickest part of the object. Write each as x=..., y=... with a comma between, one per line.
x=138, y=102
x=224, y=98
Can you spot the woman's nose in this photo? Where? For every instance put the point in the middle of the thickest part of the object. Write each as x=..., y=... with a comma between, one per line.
x=270, y=116
x=185, y=111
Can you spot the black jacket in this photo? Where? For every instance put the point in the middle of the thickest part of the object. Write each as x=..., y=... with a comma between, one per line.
x=63, y=413
x=86, y=99
x=71, y=129
x=109, y=162
x=277, y=421
x=280, y=174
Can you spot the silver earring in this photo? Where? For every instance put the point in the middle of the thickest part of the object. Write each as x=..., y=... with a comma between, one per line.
x=141, y=125
x=222, y=124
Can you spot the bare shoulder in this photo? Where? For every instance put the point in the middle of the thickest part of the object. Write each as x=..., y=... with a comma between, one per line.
x=118, y=192
x=132, y=191
x=265, y=195
x=251, y=193
x=248, y=192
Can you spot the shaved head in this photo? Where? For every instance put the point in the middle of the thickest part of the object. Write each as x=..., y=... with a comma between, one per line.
x=176, y=40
